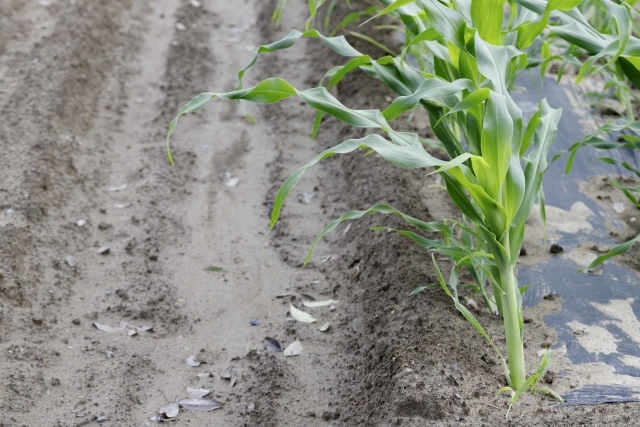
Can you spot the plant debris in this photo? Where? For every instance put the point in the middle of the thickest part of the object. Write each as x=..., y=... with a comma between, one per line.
x=286, y=294
x=293, y=349
x=216, y=268
x=305, y=198
x=230, y=181
x=272, y=344
x=230, y=375
x=131, y=329
x=71, y=261
x=170, y=410
x=325, y=327
x=314, y=304
x=192, y=361
x=300, y=315
x=199, y=404
x=197, y=393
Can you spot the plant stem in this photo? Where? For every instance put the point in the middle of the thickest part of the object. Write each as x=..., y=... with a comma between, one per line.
x=511, y=313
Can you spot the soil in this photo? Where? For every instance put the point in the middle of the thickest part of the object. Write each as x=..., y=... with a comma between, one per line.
x=87, y=90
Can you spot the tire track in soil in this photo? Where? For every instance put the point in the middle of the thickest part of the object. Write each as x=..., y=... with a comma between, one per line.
x=90, y=114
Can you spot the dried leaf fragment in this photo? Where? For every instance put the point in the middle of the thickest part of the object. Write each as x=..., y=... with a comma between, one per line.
x=199, y=404
x=300, y=315
x=110, y=329
x=170, y=410
x=197, y=393
x=192, y=361
x=272, y=344
x=294, y=349
x=314, y=304
x=325, y=327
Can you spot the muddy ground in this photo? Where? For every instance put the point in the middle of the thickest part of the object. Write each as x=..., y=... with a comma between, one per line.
x=87, y=90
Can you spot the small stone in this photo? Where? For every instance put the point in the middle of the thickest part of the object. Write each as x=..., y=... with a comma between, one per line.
x=153, y=258
x=195, y=3
x=556, y=249
x=9, y=211
x=71, y=261
x=81, y=222
x=549, y=377
x=523, y=251
x=37, y=321
x=180, y=26
x=251, y=407
x=103, y=225
x=76, y=322
x=254, y=322
x=55, y=382
x=109, y=354
x=104, y=250
x=461, y=418
x=101, y=419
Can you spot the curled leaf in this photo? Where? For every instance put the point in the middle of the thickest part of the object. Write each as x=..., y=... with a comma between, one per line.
x=300, y=315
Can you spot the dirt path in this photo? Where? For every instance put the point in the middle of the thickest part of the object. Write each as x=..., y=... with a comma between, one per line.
x=87, y=90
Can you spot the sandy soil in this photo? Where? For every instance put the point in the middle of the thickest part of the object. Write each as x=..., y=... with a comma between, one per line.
x=87, y=90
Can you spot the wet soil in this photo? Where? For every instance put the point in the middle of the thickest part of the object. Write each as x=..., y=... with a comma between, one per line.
x=86, y=92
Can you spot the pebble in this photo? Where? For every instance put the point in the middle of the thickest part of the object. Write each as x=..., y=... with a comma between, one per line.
x=101, y=419
x=254, y=322
x=195, y=3
x=81, y=222
x=180, y=27
x=71, y=261
x=109, y=354
x=104, y=250
x=9, y=211
x=251, y=407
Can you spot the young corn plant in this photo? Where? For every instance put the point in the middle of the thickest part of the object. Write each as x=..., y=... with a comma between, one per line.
x=631, y=140
x=490, y=179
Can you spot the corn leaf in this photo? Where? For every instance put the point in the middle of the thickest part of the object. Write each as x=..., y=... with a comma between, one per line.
x=431, y=227
x=487, y=17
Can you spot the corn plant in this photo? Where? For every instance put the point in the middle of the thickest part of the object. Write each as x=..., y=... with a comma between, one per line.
x=485, y=179
x=630, y=139
x=497, y=164
x=606, y=33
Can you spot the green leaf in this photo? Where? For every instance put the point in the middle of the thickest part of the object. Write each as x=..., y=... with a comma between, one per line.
x=337, y=44
x=497, y=132
x=487, y=17
x=446, y=21
x=620, y=249
x=536, y=164
x=431, y=90
x=418, y=290
x=266, y=92
x=475, y=98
